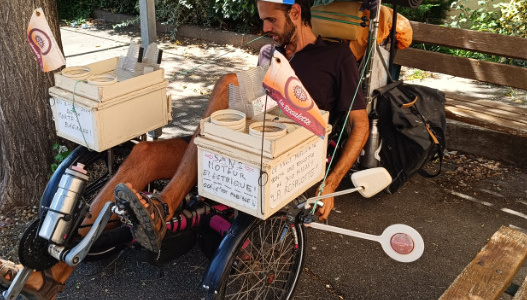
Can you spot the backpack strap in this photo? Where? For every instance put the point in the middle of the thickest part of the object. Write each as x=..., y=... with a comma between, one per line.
x=439, y=153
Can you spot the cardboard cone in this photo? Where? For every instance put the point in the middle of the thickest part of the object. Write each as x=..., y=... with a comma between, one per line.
x=43, y=42
x=282, y=84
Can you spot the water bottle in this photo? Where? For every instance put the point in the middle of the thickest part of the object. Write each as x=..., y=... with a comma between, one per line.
x=58, y=221
x=371, y=158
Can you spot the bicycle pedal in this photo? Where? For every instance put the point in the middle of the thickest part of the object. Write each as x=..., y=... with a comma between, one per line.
x=122, y=213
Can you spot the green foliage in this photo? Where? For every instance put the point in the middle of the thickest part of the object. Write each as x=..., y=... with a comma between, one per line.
x=481, y=19
x=237, y=15
x=509, y=20
x=430, y=11
x=417, y=75
x=241, y=15
x=80, y=10
x=513, y=20
x=179, y=12
x=119, y=6
x=61, y=153
x=74, y=10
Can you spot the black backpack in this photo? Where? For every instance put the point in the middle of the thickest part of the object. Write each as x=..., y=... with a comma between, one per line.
x=412, y=128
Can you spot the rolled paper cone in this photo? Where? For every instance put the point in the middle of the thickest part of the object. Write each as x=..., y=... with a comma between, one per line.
x=43, y=43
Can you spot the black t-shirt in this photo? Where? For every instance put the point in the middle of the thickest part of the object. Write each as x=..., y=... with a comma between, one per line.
x=328, y=70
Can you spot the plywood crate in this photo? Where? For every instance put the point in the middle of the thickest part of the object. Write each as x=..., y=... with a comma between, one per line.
x=229, y=172
x=102, y=125
x=108, y=92
x=242, y=140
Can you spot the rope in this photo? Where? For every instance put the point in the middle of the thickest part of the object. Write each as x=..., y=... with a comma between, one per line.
x=76, y=115
x=262, y=172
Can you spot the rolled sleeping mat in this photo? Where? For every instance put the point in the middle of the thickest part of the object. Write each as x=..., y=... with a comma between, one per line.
x=339, y=19
x=408, y=3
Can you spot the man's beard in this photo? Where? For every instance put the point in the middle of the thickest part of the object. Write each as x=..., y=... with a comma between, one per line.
x=289, y=32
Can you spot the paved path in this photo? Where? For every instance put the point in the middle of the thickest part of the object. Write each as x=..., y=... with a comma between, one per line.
x=455, y=213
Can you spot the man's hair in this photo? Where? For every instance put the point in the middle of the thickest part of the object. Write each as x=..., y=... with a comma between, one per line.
x=305, y=6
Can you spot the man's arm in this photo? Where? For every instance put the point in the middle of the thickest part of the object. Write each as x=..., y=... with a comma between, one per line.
x=358, y=136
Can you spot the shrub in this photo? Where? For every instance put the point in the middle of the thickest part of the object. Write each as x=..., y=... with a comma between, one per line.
x=430, y=11
x=80, y=10
x=512, y=20
x=237, y=15
x=70, y=10
x=509, y=20
x=481, y=19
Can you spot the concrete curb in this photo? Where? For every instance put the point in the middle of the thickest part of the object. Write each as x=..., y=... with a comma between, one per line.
x=460, y=136
x=250, y=41
x=487, y=143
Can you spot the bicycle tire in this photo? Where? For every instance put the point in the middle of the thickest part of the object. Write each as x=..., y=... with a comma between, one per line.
x=267, y=263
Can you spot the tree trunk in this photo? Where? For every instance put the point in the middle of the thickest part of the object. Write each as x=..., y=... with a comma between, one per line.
x=26, y=128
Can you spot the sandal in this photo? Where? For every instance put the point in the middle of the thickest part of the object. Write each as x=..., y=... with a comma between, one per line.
x=143, y=226
x=49, y=290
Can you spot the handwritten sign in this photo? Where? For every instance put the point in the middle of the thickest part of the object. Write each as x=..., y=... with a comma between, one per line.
x=230, y=179
x=70, y=122
x=296, y=172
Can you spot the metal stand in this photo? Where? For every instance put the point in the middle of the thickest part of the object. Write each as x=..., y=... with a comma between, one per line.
x=18, y=284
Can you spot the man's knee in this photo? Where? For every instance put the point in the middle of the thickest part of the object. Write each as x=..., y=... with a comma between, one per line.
x=144, y=150
x=219, y=98
x=141, y=149
x=227, y=79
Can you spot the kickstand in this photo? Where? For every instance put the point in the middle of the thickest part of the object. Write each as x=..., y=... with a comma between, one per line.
x=18, y=283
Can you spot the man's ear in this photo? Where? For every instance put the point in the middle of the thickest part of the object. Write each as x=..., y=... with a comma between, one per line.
x=295, y=12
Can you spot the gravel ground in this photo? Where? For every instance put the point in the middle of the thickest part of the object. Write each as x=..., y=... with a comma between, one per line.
x=12, y=226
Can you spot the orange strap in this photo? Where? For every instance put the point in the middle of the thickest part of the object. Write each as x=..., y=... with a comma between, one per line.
x=409, y=104
x=432, y=134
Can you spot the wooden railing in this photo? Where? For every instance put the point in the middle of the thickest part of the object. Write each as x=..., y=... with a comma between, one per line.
x=491, y=114
x=488, y=43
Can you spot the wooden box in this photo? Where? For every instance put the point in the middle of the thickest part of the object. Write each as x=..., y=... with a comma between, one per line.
x=229, y=164
x=108, y=92
x=102, y=125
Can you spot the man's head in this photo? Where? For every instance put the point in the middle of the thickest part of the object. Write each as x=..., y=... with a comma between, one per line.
x=282, y=20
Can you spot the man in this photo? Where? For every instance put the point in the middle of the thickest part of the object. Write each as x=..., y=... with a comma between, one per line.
x=327, y=70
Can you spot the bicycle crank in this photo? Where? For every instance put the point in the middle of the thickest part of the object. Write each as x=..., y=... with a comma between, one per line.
x=400, y=242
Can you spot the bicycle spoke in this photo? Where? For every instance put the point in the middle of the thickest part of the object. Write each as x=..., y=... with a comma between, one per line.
x=268, y=265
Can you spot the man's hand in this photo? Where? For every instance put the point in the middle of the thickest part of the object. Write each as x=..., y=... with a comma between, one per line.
x=329, y=203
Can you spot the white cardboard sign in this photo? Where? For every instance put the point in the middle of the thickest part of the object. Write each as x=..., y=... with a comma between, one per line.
x=230, y=179
x=71, y=123
x=294, y=173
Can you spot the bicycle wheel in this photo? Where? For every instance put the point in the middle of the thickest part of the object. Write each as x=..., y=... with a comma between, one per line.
x=267, y=263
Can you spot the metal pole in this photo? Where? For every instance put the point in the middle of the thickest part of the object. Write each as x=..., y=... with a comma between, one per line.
x=147, y=14
x=393, y=41
x=372, y=42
